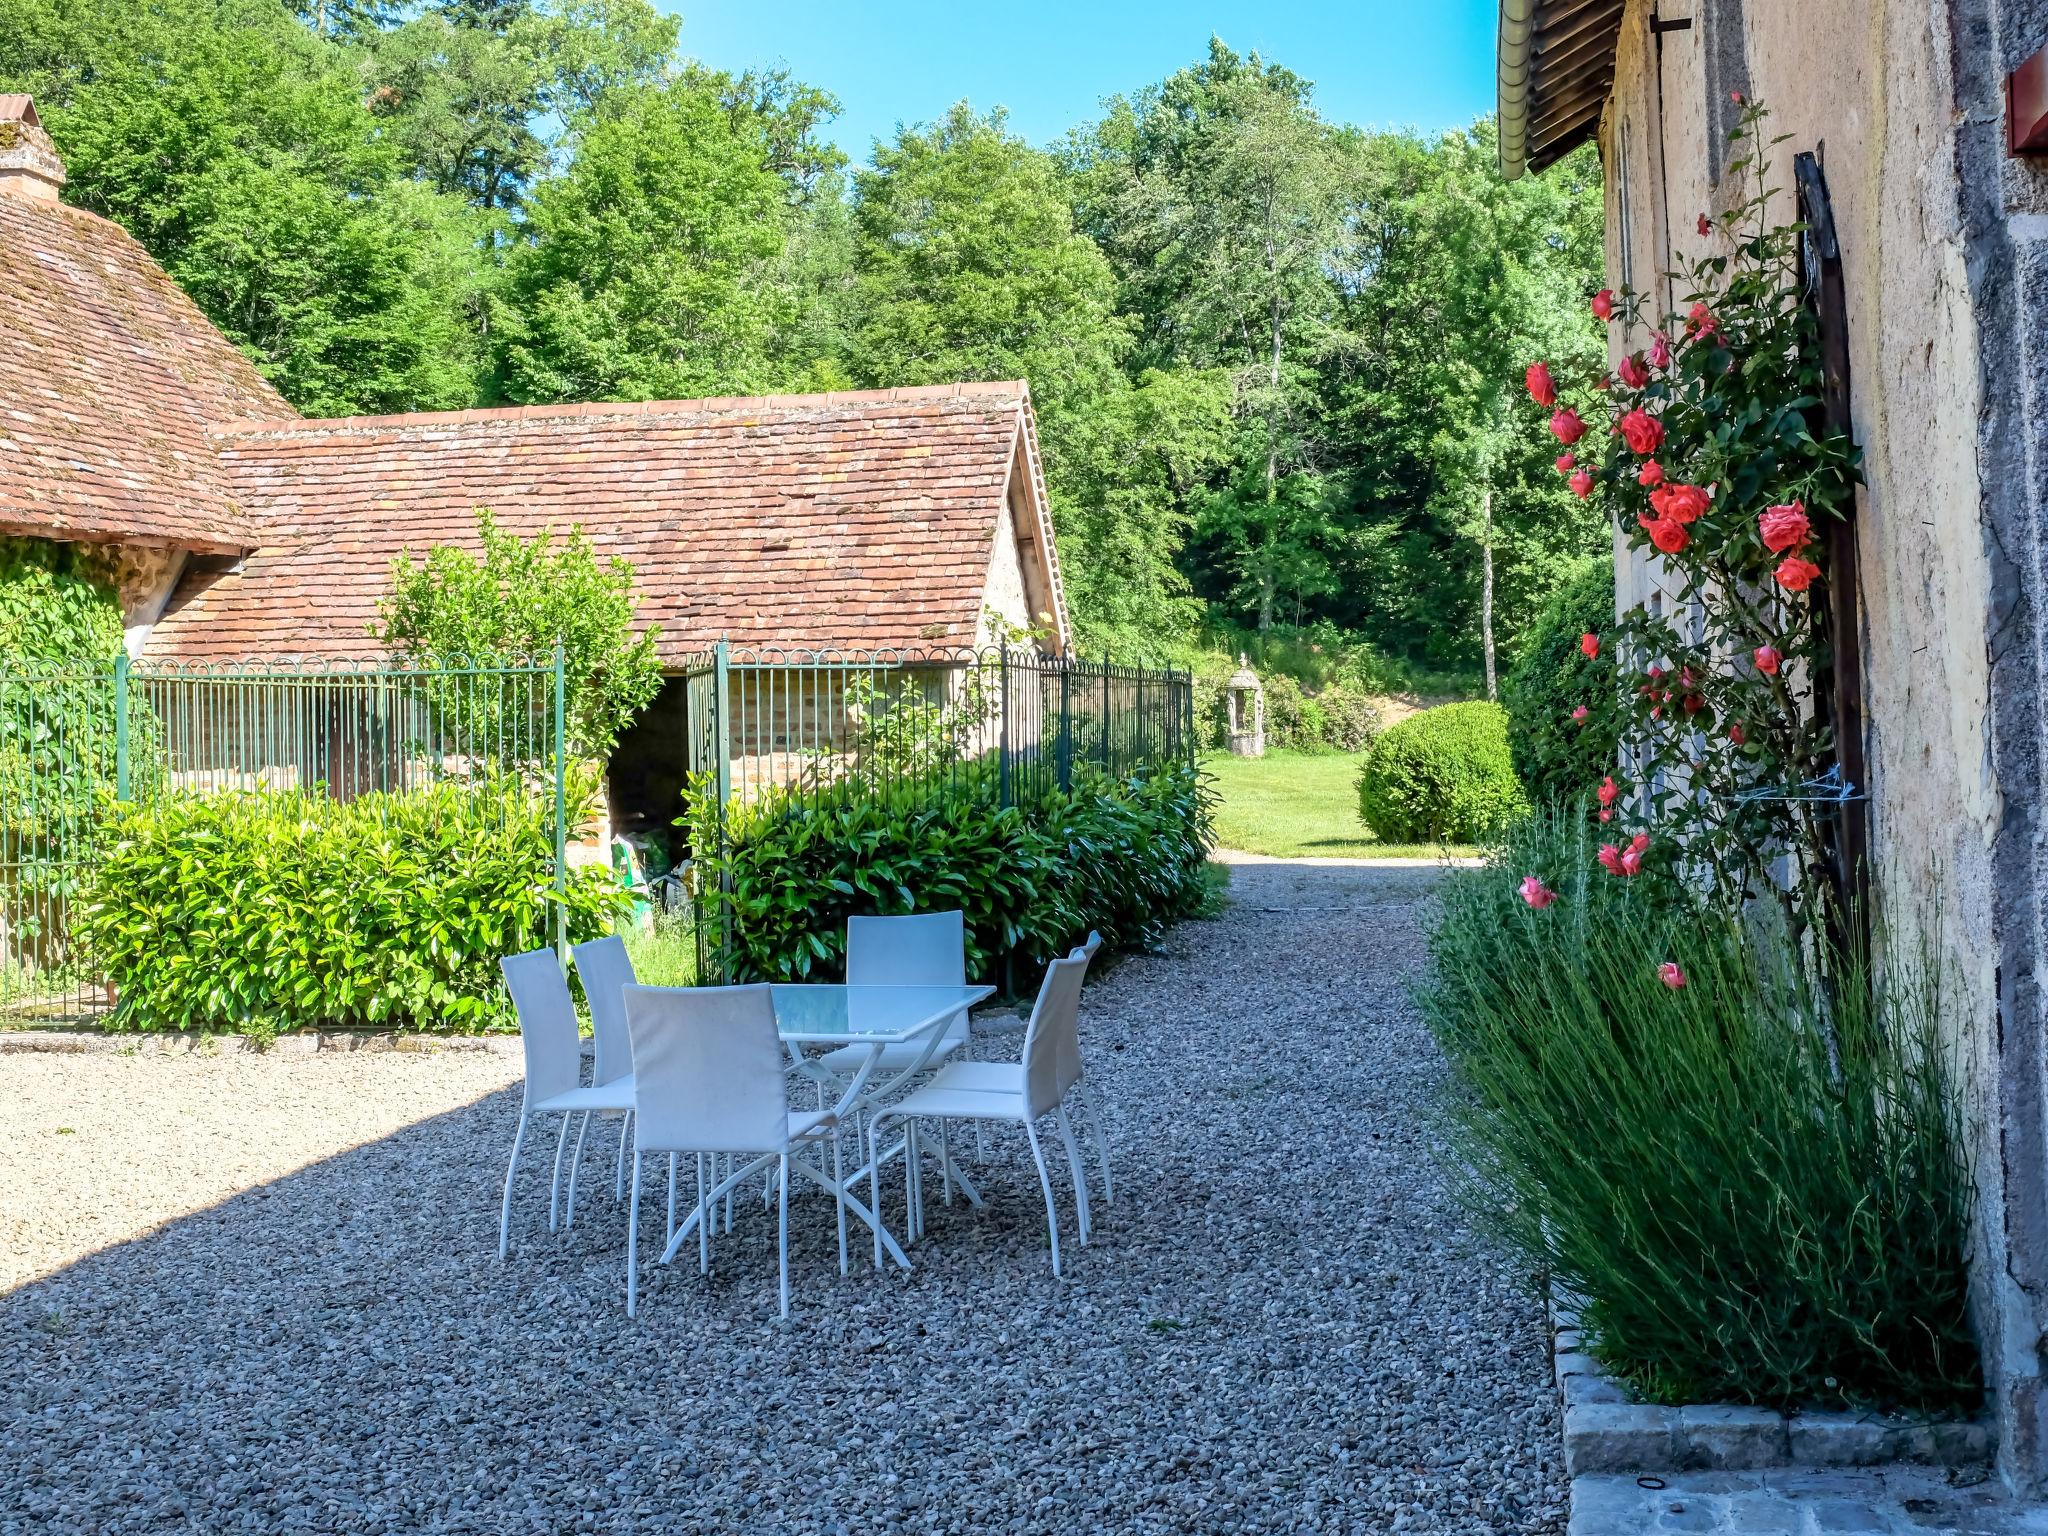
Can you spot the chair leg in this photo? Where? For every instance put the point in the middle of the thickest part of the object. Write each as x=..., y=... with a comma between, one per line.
x=633, y=1242
x=505, y=1214
x=1052, y=1218
x=669, y=1233
x=1074, y=1168
x=839, y=1188
x=945, y=1164
x=575, y=1162
x=1101, y=1143
x=555, y=1186
x=782, y=1229
x=874, y=1182
x=705, y=1211
x=619, y=1169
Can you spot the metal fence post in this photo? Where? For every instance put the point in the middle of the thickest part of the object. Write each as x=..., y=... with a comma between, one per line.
x=721, y=703
x=121, y=726
x=561, y=680
x=1003, y=787
x=1064, y=754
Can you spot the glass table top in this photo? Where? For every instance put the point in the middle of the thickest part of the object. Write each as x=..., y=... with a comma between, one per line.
x=817, y=1014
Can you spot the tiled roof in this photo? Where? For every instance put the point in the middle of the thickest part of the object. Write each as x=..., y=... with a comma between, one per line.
x=859, y=519
x=109, y=379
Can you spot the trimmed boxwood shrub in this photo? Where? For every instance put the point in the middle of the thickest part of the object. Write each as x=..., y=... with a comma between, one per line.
x=1120, y=855
x=259, y=912
x=1558, y=759
x=1442, y=776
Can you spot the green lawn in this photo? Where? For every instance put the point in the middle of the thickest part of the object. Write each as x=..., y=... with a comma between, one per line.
x=1296, y=805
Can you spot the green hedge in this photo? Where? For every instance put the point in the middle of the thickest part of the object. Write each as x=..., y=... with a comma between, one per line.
x=1124, y=856
x=1754, y=1206
x=1442, y=776
x=260, y=912
x=1557, y=758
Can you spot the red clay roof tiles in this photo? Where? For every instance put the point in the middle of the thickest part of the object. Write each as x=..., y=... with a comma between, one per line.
x=857, y=519
x=111, y=379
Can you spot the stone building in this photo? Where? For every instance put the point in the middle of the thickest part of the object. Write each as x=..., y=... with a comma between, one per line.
x=1928, y=260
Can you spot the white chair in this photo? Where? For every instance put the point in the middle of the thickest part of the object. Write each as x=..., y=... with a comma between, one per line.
x=928, y=949
x=708, y=1078
x=553, y=1049
x=1008, y=1077
x=1051, y=1066
x=606, y=970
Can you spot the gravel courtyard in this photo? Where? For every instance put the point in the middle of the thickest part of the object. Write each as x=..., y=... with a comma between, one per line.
x=262, y=1294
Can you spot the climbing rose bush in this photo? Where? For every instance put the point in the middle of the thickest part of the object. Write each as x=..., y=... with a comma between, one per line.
x=1717, y=461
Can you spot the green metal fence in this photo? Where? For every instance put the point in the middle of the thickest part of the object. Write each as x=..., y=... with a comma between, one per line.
x=766, y=719
x=76, y=739
x=1011, y=724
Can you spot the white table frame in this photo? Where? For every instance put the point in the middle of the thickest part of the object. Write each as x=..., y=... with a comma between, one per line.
x=854, y=1098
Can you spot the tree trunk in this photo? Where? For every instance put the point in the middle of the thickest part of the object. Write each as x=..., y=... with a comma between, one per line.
x=1486, y=585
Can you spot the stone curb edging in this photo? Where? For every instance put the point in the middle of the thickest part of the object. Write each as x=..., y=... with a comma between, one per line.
x=80, y=1042
x=1606, y=1432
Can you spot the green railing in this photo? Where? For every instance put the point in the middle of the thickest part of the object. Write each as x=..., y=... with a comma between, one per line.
x=77, y=740
x=935, y=725
x=770, y=718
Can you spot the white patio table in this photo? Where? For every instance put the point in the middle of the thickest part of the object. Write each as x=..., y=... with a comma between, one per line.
x=822, y=1015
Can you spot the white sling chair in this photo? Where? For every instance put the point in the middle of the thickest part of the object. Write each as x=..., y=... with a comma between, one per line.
x=928, y=949
x=554, y=1068
x=1051, y=1066
x=1008, y=1077
x=708, y=1078
x=606, y=970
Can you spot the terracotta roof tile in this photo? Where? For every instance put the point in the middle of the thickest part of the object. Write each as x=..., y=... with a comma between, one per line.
x=858, y=519
x=112, y=377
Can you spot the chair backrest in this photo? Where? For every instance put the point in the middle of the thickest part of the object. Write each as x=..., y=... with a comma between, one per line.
x=547, y=1023
x=707, y=1070
x=607, y=970
x=925, y=950
x=1052, y=1051
x=1070, y=1065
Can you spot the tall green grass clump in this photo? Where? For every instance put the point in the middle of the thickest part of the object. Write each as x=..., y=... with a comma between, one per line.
x=1750, y=1169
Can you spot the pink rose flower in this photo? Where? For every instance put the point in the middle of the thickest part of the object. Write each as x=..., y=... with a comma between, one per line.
x=1680, y=503
x=1566, y=426
x=1589, y=643
x=1581, y=484
x=1536, y=893
x=1737, y=735
x=1565, y=461
x=1603, y=304
x=1634, y=372
x=1706, y=225
x=1785, y=527
x=1768, y=659
x=1671, y=975
x=1579, y=715
x=1651, y=474
x=1795, y=574
x=1542, y=388
x=1642, y=432
x=1669, y=536
x=1660, y=350
x=1609, y=791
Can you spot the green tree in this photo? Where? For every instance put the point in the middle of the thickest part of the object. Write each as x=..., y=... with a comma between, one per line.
x=640, y=270
x=968, y=266
x=1222, y=195
x=517, y=598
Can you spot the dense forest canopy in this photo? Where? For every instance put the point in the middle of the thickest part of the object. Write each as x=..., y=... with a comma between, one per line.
x=1268, y=351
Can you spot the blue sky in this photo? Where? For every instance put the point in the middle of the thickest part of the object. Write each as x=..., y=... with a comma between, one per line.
x=1424, y=64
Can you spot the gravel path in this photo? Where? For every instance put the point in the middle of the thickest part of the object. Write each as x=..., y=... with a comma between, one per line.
x=260, y=1294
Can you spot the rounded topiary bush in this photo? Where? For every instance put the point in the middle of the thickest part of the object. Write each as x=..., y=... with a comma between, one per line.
x=1556, y=757
x=1442, y=776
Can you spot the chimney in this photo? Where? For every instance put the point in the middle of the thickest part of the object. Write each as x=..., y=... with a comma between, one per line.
x=29, y=166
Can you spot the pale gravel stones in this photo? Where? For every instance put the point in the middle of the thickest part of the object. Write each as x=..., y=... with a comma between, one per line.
x=260, y=1293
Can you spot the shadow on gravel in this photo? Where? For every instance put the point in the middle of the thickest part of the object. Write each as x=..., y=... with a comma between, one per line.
x=1282, y=1324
